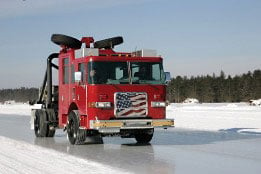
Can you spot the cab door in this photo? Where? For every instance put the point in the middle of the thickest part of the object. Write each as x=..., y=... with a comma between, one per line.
x=81, y=89
x=64, y=89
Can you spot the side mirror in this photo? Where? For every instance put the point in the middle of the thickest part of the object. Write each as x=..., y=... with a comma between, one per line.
x=167, y=77
x=78, y=76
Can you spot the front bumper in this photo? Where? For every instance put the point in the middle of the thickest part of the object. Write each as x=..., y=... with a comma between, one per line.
x=115, y=126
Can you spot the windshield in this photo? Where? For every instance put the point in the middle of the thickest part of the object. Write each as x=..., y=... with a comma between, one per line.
x=125, y=73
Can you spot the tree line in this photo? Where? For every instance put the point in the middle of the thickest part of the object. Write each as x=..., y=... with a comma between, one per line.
x=206, y=88
x=222, y=88
x=19, y=94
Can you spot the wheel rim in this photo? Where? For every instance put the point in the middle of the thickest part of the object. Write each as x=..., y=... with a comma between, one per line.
x=70, y=128
x=71, y=131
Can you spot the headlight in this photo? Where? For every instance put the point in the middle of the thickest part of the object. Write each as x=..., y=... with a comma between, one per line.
x=103, y=104
x=158, y=104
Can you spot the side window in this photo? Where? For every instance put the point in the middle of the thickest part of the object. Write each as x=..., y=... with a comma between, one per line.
x=156, y=72
x=82, y=69
x=66, y=71
x=72, y=74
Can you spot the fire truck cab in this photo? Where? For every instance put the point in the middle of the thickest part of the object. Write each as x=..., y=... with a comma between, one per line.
x=101, y=92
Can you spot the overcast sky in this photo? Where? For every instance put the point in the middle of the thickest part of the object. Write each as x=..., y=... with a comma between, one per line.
x=195, y=37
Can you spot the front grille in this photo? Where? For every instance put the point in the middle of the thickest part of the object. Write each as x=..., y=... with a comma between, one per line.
x=130, y=104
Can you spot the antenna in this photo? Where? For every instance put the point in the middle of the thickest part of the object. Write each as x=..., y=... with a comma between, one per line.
x=135, y=51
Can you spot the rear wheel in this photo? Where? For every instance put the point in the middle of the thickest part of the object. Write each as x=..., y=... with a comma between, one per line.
x=51, y=118
x=75, y=135
x=144, y=137
x=40, y=123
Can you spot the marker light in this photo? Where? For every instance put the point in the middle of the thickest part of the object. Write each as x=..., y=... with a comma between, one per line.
x=103, y=104
x=158, y=104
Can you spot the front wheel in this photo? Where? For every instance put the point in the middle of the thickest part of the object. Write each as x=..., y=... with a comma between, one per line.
x=75, y=135
x=144, y=137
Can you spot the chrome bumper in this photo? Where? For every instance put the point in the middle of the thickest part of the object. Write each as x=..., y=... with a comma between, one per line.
x=114, y=126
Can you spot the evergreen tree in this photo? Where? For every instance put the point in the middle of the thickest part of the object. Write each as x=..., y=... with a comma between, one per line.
x=19, y=94
x=216, y=88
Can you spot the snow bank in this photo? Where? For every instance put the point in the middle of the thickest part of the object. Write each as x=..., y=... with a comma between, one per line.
x=21, y=157
x=16, y=109
x=238, y=117
x=255, y=102
x=191, y=100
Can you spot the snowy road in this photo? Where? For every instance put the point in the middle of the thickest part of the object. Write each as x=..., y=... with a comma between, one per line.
x=172, y=151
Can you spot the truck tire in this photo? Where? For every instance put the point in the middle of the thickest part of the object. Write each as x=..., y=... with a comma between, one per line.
x=108, y=43
x=75, y=135
x=51, y=119
x=68, y=41
x=144, y=137
x=40, y=123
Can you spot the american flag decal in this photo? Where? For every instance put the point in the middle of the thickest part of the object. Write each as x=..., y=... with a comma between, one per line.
x=130, y=104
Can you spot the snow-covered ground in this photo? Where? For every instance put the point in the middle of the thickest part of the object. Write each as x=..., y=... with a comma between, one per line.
x=238, y=117
x=15, y=109
x=21, y=157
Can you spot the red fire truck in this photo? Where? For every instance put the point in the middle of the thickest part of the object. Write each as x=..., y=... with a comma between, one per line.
x=101, y=92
